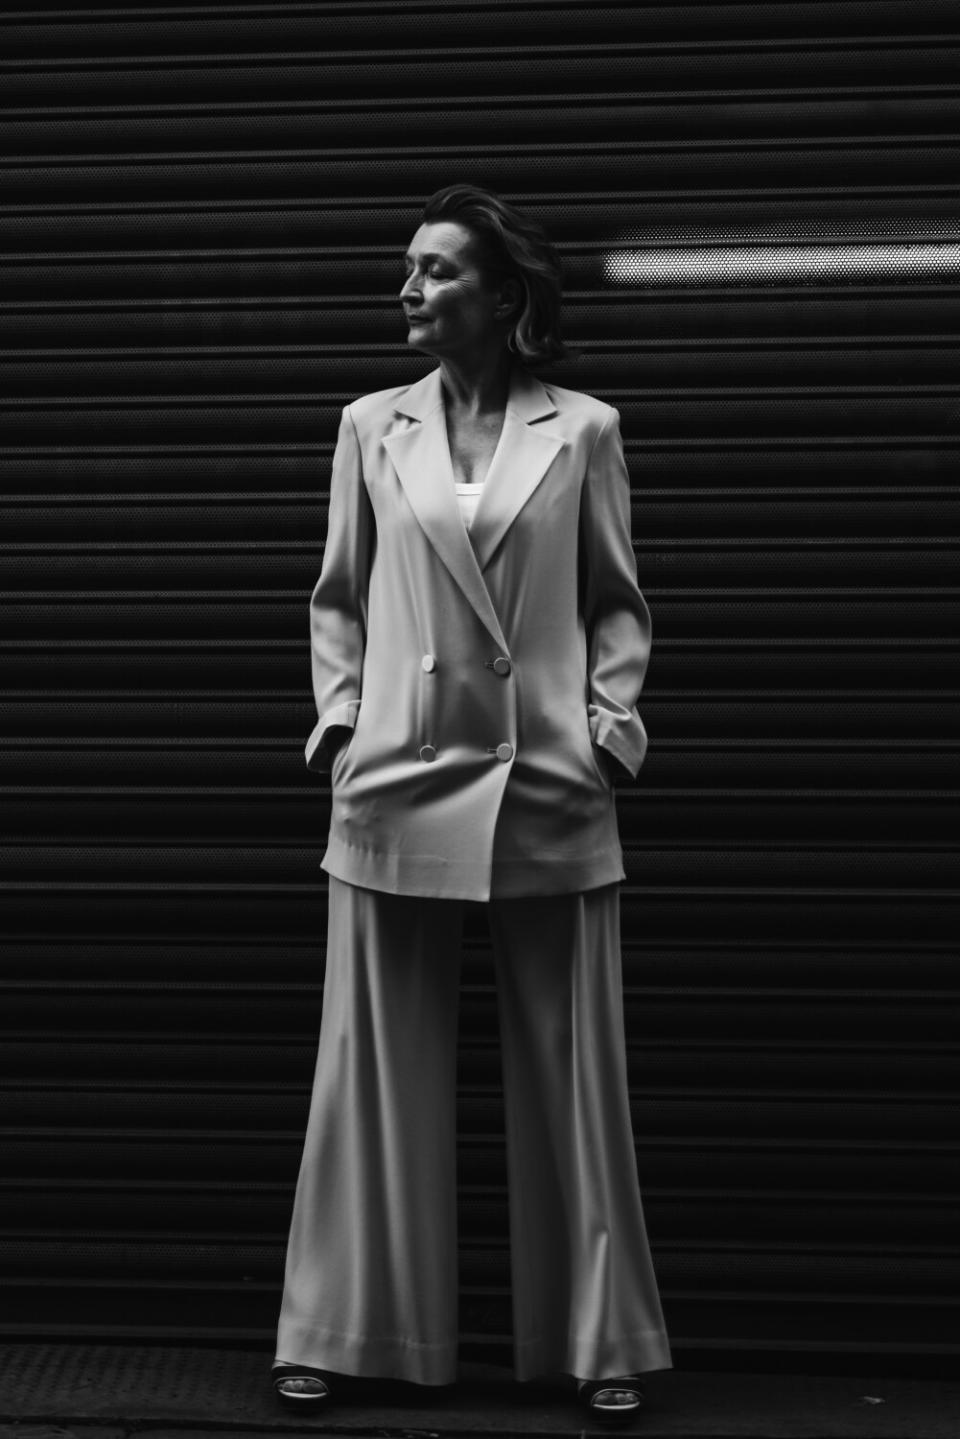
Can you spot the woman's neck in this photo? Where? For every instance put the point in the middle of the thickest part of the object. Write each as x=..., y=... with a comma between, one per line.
x=478, y=386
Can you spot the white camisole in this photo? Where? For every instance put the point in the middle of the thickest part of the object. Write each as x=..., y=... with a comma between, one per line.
x=467, y=498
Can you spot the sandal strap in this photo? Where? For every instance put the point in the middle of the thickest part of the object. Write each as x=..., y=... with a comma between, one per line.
x=589, y=1388
x=298, y=1371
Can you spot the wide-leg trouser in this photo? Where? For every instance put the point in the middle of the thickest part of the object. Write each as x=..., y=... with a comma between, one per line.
x=371, y=1281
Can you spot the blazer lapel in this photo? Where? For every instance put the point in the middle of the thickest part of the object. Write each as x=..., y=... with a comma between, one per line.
x=421, y=458
x=523, y=456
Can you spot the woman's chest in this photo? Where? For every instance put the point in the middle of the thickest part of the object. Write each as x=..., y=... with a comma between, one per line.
x=472, y=446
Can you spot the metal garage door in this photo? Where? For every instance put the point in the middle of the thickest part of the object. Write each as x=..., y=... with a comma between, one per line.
x=758, y=210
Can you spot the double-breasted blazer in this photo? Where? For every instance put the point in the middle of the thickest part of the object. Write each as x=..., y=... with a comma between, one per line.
x=480, y=674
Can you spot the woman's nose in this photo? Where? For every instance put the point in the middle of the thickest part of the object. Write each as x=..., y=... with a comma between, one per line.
x=409, y=285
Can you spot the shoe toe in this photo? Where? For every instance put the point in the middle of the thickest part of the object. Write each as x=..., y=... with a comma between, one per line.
x=612, y=1398
x=616, y=1399
x=302, y=1386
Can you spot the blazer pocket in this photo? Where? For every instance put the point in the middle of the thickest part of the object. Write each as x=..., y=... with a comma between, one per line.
x=600, y=767
x=596, y=758
x=337, y=763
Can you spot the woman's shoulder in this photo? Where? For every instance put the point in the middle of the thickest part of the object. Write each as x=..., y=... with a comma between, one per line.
x=366, y=408
x=593, y=411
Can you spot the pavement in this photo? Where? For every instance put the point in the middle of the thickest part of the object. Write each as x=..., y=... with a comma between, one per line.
x=104, y=1391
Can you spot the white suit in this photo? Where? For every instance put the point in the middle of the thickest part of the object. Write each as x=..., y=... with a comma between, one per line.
x=483, y=679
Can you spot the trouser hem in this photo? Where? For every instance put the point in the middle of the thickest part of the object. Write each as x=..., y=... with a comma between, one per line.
x=637, y=1353
x=369, y=1357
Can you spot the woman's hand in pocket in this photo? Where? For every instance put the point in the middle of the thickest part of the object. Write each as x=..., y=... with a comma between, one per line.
x=335, y=739
x=612, y=768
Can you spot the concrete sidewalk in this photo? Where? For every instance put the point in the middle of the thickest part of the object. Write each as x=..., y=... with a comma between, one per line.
x=104, y=1391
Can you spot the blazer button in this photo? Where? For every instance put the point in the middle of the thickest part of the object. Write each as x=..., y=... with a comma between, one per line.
x=429, y=664
x=501, y=665
x=504, y=751
x=427, y=753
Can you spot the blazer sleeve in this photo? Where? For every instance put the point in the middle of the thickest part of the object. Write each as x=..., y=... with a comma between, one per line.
x=338, y=605
x=618, y=623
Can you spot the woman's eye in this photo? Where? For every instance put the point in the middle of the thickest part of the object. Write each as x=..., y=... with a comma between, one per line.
x=436, y=272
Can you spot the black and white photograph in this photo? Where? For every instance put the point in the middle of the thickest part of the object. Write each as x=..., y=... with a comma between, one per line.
x=479, y=775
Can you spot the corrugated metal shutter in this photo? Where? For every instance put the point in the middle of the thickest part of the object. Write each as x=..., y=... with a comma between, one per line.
x=758, y=208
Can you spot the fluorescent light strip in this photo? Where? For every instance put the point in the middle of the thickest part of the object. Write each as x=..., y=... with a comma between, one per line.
x=756, y=264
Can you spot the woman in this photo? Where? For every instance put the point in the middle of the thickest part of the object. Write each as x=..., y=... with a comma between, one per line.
x=478, y=646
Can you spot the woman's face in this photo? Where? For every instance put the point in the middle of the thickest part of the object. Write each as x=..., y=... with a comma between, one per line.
x=450, y=306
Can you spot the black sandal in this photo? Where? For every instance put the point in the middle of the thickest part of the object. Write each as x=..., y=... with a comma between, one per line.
x=310, y=1388
x=613, y=1400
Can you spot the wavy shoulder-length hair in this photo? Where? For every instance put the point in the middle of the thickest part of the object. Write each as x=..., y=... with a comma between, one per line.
x=509, y=245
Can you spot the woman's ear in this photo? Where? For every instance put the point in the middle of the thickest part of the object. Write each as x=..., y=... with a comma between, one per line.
x=511, y=298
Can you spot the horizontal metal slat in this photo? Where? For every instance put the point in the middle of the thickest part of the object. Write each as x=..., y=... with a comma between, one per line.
x=172, y=484
x=840, y=1064
x=725, y=1215
x=235, y=30
x=242, y=772
x=684, y=667
x=228, y=717
x=860, y=836
x=111, y=377
x=47, y=231
x=490, y=78
x=830, y=318
x=178, y=616
x=885, y=1120
x=920, y=567
x=780, y=1276
x=87, y=1309
x=240, y=963
x=684, y=912
x=705, y=1162
x=468, y=119
x=689, y=1017
x=783, y=82
x=877, y=536
x=895, y=163
x=886, y=414
x=738, y=283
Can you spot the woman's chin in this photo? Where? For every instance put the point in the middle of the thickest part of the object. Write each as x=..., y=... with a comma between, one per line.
x=420, y=340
